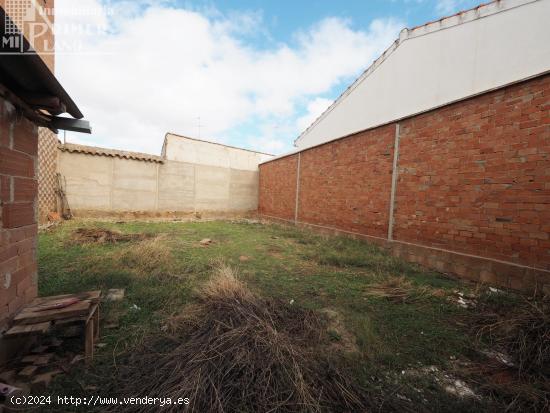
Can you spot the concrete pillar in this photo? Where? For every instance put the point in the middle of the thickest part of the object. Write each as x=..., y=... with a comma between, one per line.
x=394, y=180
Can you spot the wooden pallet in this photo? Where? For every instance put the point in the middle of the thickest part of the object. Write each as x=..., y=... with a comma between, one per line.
x=44, y=312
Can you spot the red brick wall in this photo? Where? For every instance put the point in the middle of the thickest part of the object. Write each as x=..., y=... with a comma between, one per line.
x=473, y=189
x=277, y=195
x=474, y=176
x=18, y=229
x=346, y=184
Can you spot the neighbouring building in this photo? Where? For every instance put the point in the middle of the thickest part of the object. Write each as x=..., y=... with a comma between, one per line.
x=439, y=151
x=190, y=177
x=31, y=99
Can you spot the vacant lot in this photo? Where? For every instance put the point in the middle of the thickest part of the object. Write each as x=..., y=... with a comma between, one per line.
x=412, y=339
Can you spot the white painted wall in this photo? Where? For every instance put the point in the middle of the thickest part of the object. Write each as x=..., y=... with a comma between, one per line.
x=436, y=64
x=183, y=149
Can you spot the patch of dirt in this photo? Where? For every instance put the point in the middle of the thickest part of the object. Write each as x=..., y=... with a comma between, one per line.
x=340, y=338
x=104, y=236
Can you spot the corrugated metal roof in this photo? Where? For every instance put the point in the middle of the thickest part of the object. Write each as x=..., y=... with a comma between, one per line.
x=94, y=150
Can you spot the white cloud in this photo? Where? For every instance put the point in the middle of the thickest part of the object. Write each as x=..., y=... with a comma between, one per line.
x=156, y=68
x=314, y=109
x=447, y=7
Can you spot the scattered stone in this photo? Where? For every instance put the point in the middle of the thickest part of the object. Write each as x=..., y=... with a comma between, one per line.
x=244, y=258
x=205, y=241
x=101, y=345
x=135, y=307
x=115, y=294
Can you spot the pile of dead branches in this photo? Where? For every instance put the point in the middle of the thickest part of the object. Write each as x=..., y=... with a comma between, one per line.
x=233, y=351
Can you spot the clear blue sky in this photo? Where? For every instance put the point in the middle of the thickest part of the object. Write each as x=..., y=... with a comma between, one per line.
x=255, y=72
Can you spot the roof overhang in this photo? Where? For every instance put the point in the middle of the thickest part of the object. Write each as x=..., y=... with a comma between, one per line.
x=29, y=84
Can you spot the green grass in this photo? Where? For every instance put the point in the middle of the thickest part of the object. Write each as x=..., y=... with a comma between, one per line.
x=316, y=272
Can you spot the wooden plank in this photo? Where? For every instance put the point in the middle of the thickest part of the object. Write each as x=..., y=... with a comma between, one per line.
x=96, y=323
x=86, y=295
x=92, y=312
x=30, y=329
x=89, y=342
x=27, y=316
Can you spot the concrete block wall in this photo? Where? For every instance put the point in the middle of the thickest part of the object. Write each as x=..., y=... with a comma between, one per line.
x=18, y=227
x=471, y=187
x=104, y=185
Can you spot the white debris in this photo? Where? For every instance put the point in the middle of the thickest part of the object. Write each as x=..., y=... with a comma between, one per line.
x=115, y=294
x=499, y=356
x=449, y=383
x=460, y=389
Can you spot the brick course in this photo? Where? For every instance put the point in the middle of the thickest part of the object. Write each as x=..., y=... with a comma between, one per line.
x=473, y=176
x=278, y=188
x=18, y=229
x=360, y=165
x=472, y=194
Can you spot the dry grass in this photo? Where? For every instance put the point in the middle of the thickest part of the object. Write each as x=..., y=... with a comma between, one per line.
x=149, y=257
x=398, y=289
x=523, y=333
x=233, y=351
